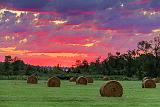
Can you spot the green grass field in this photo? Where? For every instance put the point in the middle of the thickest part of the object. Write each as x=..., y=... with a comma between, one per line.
x=19, y=94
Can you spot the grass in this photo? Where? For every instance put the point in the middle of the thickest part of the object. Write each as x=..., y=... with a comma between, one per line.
x=16, y=93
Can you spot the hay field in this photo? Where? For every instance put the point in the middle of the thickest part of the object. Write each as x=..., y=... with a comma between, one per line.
x=16, y=93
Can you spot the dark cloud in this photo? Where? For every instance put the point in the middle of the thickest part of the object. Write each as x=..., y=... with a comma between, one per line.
x=24, y=4
x=116, y=14
x=68, y=6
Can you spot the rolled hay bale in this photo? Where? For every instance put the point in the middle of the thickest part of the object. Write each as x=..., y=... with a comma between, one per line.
x=148, y=83
x=53, y=82
x=81, y=81
x=111, y=89
x=105, y=78
x=32, y=80
x=89, y=79
x=72, y=79
x=157, y=80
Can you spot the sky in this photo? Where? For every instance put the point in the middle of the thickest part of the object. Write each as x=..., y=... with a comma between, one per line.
x=51, y=32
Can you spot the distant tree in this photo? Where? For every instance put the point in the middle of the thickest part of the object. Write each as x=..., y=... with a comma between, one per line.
x=96, y=67
x=156, y=49
x=144, y=46
x=118, y=53
x=85, y=66
x=6, y=70
x=29, y=70
x=8, y=59
x=18, y=66
x=78, y=63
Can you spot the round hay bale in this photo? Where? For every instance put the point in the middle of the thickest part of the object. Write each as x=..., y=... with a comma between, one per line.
x=72, y=79
x=32, y=80
x=81, y=81
x=89, y=79
x=105, y=78
x=53, y=82
x=111, y=89
x=157, y=80
x=148, y=83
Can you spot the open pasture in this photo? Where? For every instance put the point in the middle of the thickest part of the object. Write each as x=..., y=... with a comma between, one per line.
x=17, y=93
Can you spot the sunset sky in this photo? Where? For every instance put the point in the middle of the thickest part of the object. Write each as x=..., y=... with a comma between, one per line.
x=48, y=32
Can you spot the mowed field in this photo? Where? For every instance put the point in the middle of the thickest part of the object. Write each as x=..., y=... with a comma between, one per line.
x=16, y=93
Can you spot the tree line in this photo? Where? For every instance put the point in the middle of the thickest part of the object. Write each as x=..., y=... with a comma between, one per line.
x=15, y=66
x=140, y=62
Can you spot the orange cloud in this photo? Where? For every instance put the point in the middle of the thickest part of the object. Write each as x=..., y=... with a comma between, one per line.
x=12, y=50
x=156, y=30
x=69, y=55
